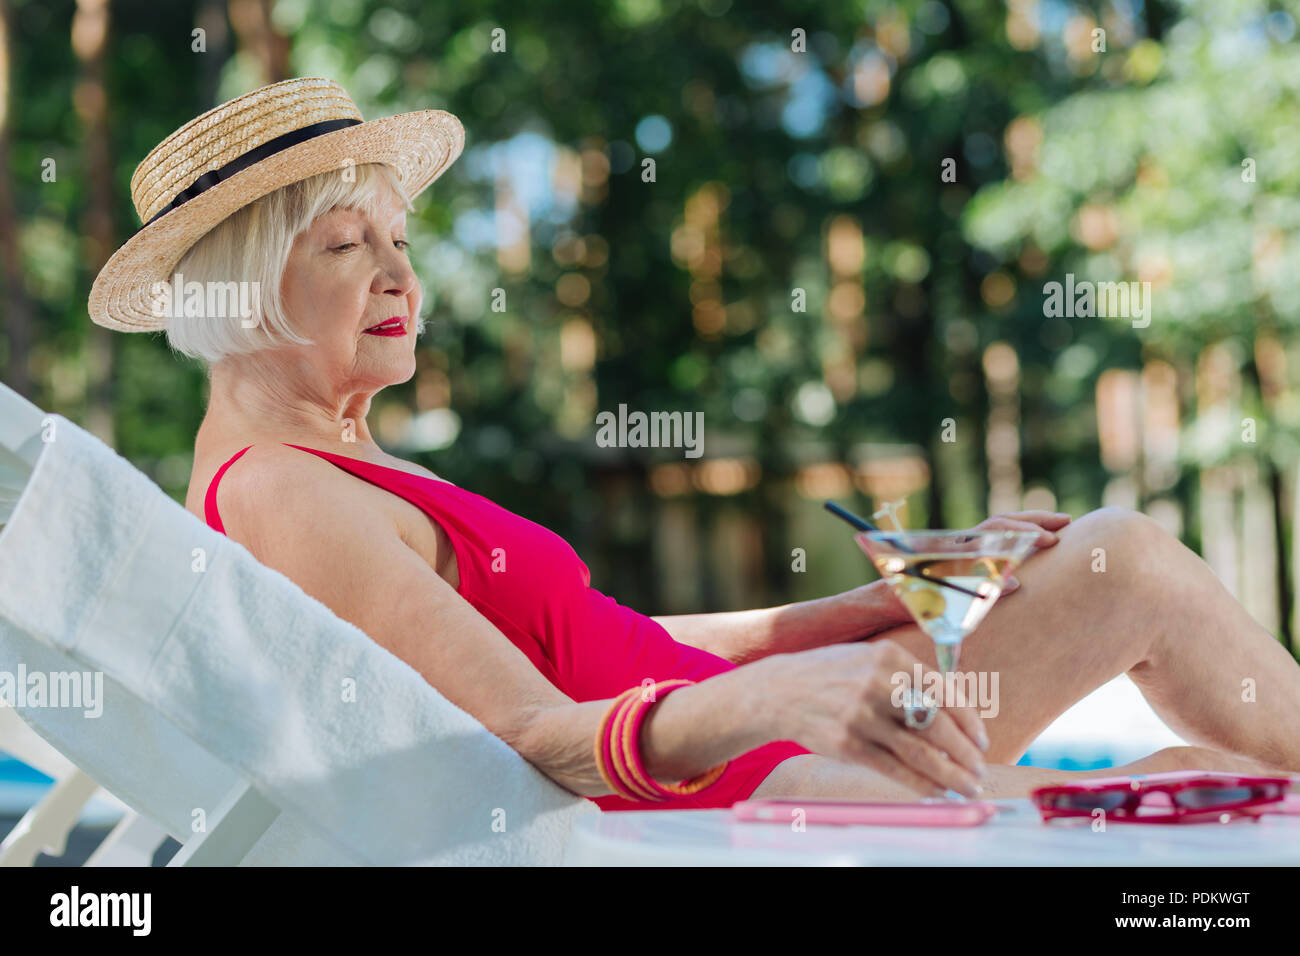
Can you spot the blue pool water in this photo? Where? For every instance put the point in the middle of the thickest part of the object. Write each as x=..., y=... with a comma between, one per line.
x=15, y=771
x=21, y=788
x=1060, y=761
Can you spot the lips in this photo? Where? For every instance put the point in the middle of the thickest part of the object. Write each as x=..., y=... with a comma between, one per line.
x=394, y=326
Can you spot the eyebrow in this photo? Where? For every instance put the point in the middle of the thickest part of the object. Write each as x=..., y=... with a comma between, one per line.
x=323, y=220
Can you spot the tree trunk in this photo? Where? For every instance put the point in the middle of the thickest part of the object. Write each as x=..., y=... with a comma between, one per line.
x=258, y=37
x=1271, y=378
x=89, y=40
x=16, y=314
x=212, y=18
x=1282, y=564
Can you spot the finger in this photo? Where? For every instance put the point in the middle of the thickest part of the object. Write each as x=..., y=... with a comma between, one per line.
x=1051, y=520
x=1011, y=584
x=1045, y=538
x=883, y=761
x=999, y=522
x=915, y=752
x=951, y=733
x=971, y=724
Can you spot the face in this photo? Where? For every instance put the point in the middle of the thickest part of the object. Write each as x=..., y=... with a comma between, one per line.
x=347, y=274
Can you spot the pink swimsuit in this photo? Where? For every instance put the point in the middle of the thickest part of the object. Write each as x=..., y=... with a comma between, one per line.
x=535, y=589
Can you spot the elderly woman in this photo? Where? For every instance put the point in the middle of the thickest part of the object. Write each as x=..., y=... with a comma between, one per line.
x=287, y=188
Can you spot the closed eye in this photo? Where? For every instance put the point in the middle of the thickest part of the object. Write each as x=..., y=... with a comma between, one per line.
x=399, y=243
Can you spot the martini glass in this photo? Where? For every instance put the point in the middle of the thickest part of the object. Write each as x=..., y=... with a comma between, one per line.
x=947, y=580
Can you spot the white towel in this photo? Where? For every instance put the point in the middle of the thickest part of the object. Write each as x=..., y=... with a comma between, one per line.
x=130, y=750
x=234, y=671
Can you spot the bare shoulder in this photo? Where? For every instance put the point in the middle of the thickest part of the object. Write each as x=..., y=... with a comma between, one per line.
x=271, y=491
x=338, y=538
x=268, y=473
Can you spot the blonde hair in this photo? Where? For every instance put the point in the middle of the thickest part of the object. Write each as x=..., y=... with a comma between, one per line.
x=253, y=245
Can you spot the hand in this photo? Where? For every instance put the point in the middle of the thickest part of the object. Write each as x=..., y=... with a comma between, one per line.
x=881, y=606
x=1046, y=523
x=839, y=701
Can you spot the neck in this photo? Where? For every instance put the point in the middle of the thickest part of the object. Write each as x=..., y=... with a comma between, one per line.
x=251, y=400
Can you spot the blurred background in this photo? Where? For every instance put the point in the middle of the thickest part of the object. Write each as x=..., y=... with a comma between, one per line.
x=840, y=261
x=825, y=225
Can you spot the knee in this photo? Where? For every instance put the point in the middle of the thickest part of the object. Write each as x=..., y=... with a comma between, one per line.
x=1122, y=521
x=1120, y=539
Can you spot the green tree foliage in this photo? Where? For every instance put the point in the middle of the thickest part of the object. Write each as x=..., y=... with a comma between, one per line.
x=787, y=118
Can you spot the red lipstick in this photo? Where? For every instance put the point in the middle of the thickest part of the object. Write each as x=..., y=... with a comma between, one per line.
x=394, y=326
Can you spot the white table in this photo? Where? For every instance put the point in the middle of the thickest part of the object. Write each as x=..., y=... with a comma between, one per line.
x=1015, y=837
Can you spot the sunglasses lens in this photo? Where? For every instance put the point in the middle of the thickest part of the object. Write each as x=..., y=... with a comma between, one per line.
x=1200, y=797
x=1087, y=801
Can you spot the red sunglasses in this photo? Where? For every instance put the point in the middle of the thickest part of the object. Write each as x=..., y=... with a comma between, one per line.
x=1184, y=796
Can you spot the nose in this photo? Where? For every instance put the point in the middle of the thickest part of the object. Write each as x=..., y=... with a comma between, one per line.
x=395, y=275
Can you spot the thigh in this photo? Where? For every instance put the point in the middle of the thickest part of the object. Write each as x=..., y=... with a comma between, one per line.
x=1064, y=632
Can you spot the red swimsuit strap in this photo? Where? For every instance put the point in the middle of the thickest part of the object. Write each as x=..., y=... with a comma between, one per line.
x=210, y=501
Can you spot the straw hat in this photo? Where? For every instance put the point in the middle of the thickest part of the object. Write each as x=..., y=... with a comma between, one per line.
x=239, y=152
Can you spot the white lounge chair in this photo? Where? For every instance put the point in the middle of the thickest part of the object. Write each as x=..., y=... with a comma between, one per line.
x=239, y=715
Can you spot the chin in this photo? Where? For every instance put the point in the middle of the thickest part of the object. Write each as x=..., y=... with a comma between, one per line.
x=384, y=374
x=403, y=374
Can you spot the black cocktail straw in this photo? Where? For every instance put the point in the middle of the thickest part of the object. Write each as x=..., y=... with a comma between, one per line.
x=862, y=524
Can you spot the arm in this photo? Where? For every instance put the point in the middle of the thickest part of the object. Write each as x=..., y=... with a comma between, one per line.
x=743, y=636
x=355, y=562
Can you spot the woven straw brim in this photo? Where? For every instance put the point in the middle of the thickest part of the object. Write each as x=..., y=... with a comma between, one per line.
x=419, y=146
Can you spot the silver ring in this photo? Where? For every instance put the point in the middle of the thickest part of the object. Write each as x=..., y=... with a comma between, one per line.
x=918, y=710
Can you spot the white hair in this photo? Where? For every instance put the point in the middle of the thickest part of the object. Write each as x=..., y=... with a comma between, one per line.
x=253, y=245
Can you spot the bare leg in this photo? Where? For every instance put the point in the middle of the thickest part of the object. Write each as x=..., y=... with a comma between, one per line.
x=1156, y=612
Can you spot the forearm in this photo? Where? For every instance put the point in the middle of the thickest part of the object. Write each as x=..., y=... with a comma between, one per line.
x=744, y=636
x=686, y=733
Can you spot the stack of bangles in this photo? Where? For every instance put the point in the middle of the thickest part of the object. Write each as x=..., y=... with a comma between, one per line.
x=618, y=747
